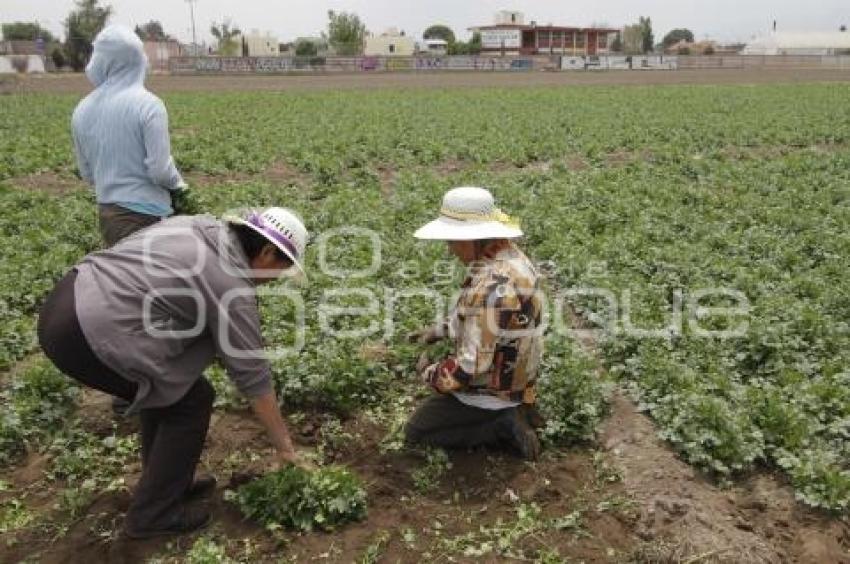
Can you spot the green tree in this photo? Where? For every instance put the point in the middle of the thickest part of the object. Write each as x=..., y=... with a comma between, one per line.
x=226, y=34
x=440, y=31
x=647, y=37
x=632, y=39
x=617, y=46
x=471, y=47
x=151, y=31
x=83, y=24
x=25, y=31
x=58, y=57
x=677, y=35
x=346, y=33
x=304, y=48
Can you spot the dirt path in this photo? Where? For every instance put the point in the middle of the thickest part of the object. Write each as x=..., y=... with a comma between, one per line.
x=77, y=83
x=684, y=516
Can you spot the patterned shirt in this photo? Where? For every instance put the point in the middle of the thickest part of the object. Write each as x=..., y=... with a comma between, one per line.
x=497, y=329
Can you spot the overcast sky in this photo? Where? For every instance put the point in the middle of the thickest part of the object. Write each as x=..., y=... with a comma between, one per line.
x=724, y=20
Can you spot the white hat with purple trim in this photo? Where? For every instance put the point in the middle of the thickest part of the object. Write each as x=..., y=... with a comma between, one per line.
x=281, y=227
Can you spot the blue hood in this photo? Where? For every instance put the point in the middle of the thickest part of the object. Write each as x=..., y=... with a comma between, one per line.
x=118, y=59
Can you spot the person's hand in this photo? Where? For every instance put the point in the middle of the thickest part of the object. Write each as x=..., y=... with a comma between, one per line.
x=440, y=376
x=427, y=373
x=426, y=336
x=292, y=458
x=185, y=201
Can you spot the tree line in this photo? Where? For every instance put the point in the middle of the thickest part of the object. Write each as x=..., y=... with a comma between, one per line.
x=345, y=35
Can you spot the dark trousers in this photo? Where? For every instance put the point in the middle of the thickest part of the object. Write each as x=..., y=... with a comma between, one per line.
x=172, y=437
x=117, y=222
x=444, y=421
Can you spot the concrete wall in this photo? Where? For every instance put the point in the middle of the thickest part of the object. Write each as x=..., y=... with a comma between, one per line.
x=279, y=65
x=276, y=65
x=29, y=64
x=390, y=46
x=764, y=61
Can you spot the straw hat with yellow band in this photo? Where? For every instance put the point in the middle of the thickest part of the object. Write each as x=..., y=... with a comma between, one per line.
x=469, y=214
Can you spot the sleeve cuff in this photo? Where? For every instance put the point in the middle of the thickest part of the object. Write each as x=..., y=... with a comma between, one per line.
x=259, y=388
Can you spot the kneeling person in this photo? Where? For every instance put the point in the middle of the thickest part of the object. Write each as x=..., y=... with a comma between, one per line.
x=143, y=319
x=485, y=390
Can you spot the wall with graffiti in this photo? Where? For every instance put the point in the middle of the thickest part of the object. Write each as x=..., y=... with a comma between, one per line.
x=281, y=65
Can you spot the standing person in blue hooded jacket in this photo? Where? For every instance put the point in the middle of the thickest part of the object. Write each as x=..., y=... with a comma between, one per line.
x=121, y=141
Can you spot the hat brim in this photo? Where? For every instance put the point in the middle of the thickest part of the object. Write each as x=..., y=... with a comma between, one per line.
x=284, y=250
x=448, y=229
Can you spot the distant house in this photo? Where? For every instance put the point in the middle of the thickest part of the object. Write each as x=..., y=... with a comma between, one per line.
x=692, y=48
x=436, y=47
x=256, y=44
x=510, y=35
x=391, y=43
x=811, y=43
x=159, y=53
x=196, y=50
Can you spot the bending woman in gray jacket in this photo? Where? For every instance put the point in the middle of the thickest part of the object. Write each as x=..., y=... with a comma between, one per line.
x=143, y=320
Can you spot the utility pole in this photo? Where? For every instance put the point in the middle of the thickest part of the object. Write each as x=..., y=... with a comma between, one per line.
x=192, y=14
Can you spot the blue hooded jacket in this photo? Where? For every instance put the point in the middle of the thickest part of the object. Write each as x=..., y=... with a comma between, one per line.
x=120, y=130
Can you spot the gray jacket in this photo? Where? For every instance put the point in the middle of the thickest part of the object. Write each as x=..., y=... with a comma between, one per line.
x=163, y=303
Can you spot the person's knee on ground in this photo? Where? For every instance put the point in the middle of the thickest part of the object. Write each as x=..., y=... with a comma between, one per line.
x=516, y=430
x=413, y=434
x=430, y=416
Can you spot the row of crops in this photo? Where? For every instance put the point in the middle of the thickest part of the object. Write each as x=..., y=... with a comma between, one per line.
x=642, y=194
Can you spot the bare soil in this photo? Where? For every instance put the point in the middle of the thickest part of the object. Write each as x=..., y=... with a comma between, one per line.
x=683, y=514
x=49, y=182
x=77, y=83
x=637, y=502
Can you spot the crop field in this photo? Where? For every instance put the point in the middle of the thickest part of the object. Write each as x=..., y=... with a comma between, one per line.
x=696, y=384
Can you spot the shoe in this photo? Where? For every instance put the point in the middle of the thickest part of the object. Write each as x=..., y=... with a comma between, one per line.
x=201, y=487
x=187, y=520
x=521, y=435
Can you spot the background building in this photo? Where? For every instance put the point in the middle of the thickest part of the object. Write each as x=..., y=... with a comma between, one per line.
x=692, y=48
x=814, y=43
x=391, y=43
x=256, y=44
x=159, y=52
x=436, y=47
x=509, y=35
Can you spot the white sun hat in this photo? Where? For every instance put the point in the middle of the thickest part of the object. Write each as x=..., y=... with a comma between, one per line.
x=469, y=214
x=281, y=227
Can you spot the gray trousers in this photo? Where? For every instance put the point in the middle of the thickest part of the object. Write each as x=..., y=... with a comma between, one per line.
x=117, y=222
x=444, y=421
